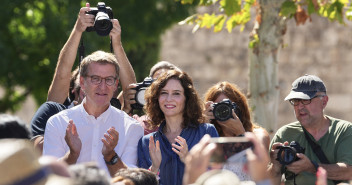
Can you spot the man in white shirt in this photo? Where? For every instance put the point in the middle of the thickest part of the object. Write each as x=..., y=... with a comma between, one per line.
x=95, y=130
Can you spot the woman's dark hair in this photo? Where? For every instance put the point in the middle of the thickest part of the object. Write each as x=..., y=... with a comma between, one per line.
x=13, y=127
x=193, y=105
x=235, y=95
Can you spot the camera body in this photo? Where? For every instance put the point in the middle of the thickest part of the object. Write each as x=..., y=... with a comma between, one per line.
x=102, y=21
x=223, y=110
x=288, y=154
x=140, y=91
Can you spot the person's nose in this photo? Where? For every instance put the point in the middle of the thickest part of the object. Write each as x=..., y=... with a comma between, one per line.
x=102, y=84
x=169, y=97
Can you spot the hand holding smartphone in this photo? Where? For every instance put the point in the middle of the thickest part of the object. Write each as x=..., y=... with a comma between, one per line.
x=229, y=151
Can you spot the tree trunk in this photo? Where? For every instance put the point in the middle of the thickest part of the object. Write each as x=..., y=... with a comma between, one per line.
x=263, y=65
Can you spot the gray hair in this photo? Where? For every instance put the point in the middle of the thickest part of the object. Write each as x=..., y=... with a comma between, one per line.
x=100, y=57
x=163, y=65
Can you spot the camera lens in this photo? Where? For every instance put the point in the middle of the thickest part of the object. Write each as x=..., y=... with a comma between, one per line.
x=222, y=112
x=102, y=24
x=287, y=155
x=140, y=96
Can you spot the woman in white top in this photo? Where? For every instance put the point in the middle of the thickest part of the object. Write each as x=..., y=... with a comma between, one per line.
x=237, y=125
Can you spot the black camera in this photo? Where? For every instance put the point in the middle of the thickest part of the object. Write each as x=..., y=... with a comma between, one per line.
x=140, y=91
x=102, y=22
x=288, y=154
x=223, y=110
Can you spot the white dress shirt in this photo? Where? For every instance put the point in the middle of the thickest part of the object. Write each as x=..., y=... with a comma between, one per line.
x=91, y=130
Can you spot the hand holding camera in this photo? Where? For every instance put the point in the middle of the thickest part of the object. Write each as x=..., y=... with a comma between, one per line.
x=209, y=111
x=84, y=20
x=288, y=154
x=293, y=158
x=140, y=91
x=228, y=117
x=223, y=110
x=134, y=96
x=102, y=20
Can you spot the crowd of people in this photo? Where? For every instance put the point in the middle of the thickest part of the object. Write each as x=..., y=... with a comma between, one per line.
x=87, y=132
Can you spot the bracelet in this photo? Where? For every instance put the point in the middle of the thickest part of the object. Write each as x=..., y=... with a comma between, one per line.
x=150, y=169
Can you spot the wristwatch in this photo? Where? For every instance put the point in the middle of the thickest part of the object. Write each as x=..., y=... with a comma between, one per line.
x=113, y=160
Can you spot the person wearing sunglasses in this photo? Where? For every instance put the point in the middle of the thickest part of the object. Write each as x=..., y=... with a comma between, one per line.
x=324, y=141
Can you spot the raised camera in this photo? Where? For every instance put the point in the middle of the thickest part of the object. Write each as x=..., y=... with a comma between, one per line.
x=102, y=22
x=223, y=110
x=288, y=154
x=140, y=91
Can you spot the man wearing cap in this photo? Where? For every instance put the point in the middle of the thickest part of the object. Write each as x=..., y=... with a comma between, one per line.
x=312, y=129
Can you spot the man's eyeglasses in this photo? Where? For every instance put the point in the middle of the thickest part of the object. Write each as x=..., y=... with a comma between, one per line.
x=295, y=102
x=96, y=80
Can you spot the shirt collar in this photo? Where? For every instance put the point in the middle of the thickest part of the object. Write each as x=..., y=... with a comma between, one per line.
x=103, y=117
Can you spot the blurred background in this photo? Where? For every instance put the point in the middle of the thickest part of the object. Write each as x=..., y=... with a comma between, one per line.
x=33, y=33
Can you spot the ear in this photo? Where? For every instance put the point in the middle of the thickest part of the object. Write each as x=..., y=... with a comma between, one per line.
x=117, y=83
x=81, y=82
x=325, y=101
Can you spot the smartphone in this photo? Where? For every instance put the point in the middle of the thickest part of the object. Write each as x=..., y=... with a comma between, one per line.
x=229, y=151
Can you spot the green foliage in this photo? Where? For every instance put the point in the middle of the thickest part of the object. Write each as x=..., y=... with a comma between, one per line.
x=333, y=11
x=254, y=41
x=349, y=14
x=34, y=31
x=288, y=8
x=231, y=12
x=230, y=6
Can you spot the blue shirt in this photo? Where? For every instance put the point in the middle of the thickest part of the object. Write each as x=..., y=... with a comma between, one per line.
x=171, y=167
x=45, y=111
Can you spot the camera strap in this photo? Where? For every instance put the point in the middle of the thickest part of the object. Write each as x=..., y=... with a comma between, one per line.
x=81, y=51
x=81, y=54
x=318, y=151
x=111, y=48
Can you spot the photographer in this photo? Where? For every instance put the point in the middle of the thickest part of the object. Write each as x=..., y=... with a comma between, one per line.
x=65, y=91
x=94, y=130
x=59, y=88
x=323, y=140
x=236, y=124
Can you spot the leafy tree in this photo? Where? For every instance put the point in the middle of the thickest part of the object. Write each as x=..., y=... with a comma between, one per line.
x=265, y=39
x=33, y=32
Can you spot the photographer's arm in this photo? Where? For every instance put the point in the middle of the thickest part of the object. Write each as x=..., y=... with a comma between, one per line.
x=59, y=87
x=274, y=168
x=129, y=98
x=208, y=112
x=232, y=127
x=338, y=171
x=126, y=72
